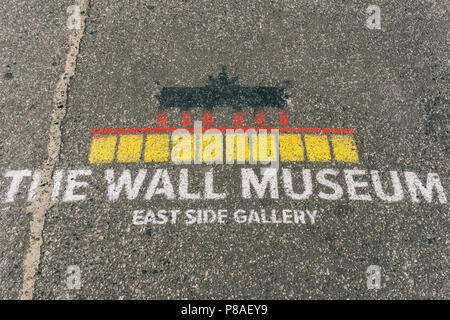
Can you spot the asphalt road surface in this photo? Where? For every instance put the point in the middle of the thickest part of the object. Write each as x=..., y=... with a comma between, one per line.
x=90, y=180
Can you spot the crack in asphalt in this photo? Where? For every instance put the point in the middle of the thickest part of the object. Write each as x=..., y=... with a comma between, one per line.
x=42, y=201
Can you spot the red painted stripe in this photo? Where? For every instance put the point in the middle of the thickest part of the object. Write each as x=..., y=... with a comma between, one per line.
x=185, y=118
x=208, y=118
x=260, y=118
x=283, y=118
x=223, y=129
x=238, y=119
x=162, y=118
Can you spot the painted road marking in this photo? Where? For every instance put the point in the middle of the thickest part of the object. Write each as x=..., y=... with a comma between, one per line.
x=283, y=117
x=163, y=147
x=157, y=148
x=130, y=148
x=103, y=149
x=317, y=148
x=222, y=129
x=291, y=147
x=344, y=148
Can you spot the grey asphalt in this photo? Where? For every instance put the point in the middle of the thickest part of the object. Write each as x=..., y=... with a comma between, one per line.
x=32, y=52
x=390, y=85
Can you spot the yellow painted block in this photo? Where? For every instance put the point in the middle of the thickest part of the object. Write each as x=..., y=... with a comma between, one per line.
x=130, y=148
x=291, y=147
x=317, y=147
x=157, y=148
x=251, y=148
x=182, y=147
x=102, y=149
x=212, y=147
x=237, y=147
x=344, y=148
x=267, y=150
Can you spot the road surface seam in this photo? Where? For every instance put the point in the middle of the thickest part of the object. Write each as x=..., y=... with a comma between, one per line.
x=42, y=202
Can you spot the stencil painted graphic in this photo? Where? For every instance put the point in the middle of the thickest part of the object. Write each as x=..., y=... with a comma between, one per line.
x=224, y=144
x=222, y=91
x=249, y=141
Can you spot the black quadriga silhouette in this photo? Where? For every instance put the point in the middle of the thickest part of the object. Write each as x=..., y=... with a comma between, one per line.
x=222, y=92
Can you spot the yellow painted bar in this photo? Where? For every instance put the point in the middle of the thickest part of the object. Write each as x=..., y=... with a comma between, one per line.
x=236, y=148
x=291, y=147
x=182, y=148
x=130, y=148
x=157, y=148
x=164, y=147
x=267, y=150
x=317, y=148
x=102, y=149
x=344, y=148
x=212, y=147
